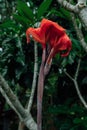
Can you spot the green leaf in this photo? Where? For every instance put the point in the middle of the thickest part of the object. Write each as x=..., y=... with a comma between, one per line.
x=7, y=24
x=57, y=13
x=70, y=59
x=24, y=10
x=64, y=62
x=77, y=120
x=52, y=79
x=76, y=44
x=65, y=13
x=22, y=20
x=43, y=8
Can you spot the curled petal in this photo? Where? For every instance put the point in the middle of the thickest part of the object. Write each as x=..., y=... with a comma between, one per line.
x=52, y=34
x=63, y=46
x=48, y=24
x=36, y=34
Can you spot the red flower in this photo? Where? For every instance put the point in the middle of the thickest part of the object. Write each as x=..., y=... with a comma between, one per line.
x=51, y=34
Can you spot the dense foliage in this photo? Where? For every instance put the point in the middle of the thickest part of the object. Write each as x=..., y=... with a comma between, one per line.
x=62, y=108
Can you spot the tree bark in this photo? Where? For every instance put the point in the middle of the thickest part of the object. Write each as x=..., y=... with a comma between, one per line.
x=80, y=9
x=15, y=104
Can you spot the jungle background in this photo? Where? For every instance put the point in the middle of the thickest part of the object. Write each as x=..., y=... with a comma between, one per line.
x=62, y=108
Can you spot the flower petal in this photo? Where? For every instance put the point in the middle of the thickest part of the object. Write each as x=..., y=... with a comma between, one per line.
x=52, y=34
x=36, y=34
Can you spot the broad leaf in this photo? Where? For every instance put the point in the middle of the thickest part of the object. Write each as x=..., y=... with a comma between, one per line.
x=22, y=20
x=7, y=24
x=43, y=8
x=24, y=10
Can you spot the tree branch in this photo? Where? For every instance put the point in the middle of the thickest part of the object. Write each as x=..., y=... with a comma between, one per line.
x=15, y=104
x=80, y=9
x=9, y=102
x=79, y=33
x=76, y=84
x=68, y=6
x=79, y=94
x=13, y=99
x=34, y=77
x=67, y=74
x=29, y=104
x=77, y=70
x=81, y=3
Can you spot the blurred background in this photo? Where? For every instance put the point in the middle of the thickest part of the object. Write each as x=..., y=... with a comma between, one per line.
x=62, y=108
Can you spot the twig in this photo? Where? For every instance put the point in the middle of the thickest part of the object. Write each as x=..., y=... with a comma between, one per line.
x=68, y=75
x=79, y=94
x=34, y=77
x=77, y=70
x=76, y=84
x=29, y=104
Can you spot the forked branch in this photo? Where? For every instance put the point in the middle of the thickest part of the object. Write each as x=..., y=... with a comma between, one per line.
x=76, y=84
